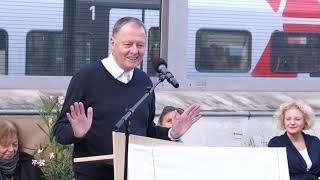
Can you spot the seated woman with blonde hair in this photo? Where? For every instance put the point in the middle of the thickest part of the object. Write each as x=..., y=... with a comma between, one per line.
x=15, y=164
x=303, y=150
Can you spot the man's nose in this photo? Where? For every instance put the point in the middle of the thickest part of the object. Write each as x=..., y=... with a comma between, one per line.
x=134, y=49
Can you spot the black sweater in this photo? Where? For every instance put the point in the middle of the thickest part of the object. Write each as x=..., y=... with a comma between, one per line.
x=94, y=86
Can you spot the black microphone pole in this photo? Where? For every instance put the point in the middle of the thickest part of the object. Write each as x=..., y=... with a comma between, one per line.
x=126, y=119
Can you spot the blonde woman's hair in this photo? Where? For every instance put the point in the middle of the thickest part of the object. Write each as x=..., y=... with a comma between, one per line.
x=307, y=111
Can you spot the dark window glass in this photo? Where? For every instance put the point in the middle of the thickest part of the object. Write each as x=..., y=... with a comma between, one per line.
x=153, y=48
x=45, y=53
x=295, y=52
x=223, y=51
x=3, y=52
x=83, y=50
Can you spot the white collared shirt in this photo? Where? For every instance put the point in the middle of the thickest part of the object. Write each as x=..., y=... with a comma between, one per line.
x=115, y=70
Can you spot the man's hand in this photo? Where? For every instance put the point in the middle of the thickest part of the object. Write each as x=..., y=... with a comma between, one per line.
x=80, y=123
x=181, y=123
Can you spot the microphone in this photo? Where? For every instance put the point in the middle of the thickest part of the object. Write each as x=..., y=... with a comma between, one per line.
x=160, y=66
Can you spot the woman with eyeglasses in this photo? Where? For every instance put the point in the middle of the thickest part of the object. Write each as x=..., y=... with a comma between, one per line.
x=167, y=115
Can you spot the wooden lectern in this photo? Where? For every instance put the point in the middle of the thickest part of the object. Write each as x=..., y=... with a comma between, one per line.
x=155, y=159
x=117, y=158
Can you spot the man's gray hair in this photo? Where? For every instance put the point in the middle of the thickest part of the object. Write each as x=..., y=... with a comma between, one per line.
x=125, y=20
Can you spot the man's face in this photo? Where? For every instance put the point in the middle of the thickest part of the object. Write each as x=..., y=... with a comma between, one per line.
x=128, y=46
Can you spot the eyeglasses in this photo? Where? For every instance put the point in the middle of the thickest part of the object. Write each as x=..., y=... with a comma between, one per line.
x=179, y=110
x=171, y=108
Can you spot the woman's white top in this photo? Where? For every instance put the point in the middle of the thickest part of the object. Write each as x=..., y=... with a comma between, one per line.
x=306, y=157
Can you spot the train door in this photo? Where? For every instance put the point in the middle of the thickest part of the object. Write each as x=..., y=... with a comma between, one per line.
x=98, y=17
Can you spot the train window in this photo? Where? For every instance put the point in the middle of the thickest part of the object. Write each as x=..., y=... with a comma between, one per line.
x=83, y=50
x=44, y=53
x=223, y=51
x=295, y=52
x=153, y=48
x=3, y=52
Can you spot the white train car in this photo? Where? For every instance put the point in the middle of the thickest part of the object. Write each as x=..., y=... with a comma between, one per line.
x=244, y=45
x=209, y=45
x=22, y=22
x=238, y=59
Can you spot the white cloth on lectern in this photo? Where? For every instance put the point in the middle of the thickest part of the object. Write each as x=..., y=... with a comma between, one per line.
x=206, y=163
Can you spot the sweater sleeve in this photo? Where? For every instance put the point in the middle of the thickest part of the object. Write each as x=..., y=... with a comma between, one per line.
x=153, y=130
x=62, y=129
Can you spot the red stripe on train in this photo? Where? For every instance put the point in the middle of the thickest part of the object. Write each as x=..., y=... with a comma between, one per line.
x=301, y=27
x=274, y=4
x=293, y=8
x=262, y=68
x=302, y=9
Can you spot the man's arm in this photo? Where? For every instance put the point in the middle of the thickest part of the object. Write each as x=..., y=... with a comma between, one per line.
x=153, y=130
x=62, y=130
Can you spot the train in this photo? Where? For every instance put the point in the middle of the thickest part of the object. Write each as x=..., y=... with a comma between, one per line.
x=261, y=44
x=238, y=59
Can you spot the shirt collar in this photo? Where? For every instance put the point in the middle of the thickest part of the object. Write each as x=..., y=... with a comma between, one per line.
x=113, y=68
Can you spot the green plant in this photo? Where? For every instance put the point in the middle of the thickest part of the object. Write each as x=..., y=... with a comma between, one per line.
x=54, y=159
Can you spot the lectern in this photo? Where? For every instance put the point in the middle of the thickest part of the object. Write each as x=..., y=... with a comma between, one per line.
x=117, y=158
x=155, y=159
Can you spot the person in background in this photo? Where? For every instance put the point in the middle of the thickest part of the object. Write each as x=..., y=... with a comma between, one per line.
x=15, y=164
x=168, y=113
x=303, y=150
x=100, y=94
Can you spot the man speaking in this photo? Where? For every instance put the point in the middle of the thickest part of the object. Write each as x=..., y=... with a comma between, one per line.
x=98, y=96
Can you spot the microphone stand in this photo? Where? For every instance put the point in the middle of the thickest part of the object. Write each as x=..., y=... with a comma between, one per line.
x=126, y=119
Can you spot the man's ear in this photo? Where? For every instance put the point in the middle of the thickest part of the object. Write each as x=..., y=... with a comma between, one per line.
x=111, y=41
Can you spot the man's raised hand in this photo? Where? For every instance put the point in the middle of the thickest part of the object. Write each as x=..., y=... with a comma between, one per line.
x=80, y=122
x=181, y=123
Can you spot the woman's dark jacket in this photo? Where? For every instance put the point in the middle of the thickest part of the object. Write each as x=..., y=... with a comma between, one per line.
x=25, y=170
x=297, y=165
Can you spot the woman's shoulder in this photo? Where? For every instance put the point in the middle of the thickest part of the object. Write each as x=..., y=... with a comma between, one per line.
x=25, y=169
x=277, y=141
x=273, y=140
x=23, y=156
x=312, y=138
